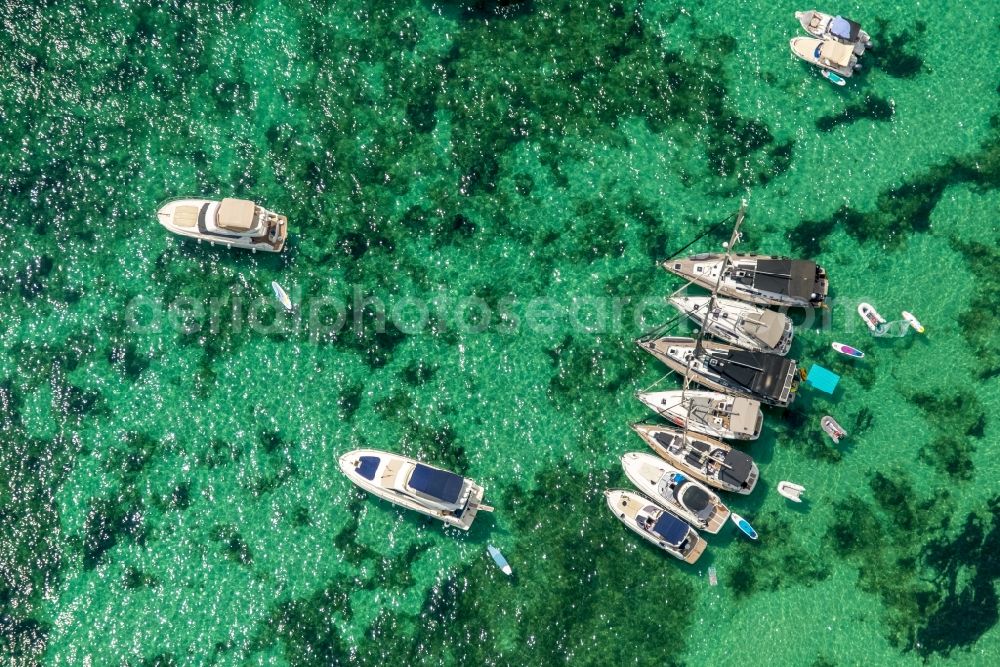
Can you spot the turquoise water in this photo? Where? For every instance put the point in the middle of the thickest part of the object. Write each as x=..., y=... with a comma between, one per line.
x=170, y=493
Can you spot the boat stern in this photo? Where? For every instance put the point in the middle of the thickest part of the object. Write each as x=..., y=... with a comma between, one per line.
x=692, y=556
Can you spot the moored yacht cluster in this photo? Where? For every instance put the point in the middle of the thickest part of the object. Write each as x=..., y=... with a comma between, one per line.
x=746, y=369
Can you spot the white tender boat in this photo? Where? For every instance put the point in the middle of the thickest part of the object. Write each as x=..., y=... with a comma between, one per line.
x=739, y=323
x=656, y=525
x=838, y=28
x=710, y=461
x=769, y=378
x=437, y=493
x=763, y=279
x=708, y=412
x=235, y=223
x=672, y=489
x=791, y=490
x=827, y=54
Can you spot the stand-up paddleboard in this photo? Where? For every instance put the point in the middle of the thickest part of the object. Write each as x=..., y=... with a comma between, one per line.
x=832, y=428
x=744, y=525
x=914, y=322
x=833, y=77
x=848, y=350
x=870, y=316
x=499, y=560
x=281, y=296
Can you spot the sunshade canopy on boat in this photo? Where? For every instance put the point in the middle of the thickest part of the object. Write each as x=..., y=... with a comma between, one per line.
x=440, y=484
x=794, y=277
x=737, y=468
x=186, y=216
x=767, y=326
x=844, y=28
x=236, y=214
x=758, y=372
x=824, y=380
x=836, y=53
x=671, y=529
x=695, y=498
x=367, y=467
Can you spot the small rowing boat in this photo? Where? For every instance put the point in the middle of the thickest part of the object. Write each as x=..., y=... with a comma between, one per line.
x=744, y=525
x=848, y=350
x=833, y=429
x=870, y=316
x=499, y=560
x=280, y=294
x=913, y=322
x=791, y=491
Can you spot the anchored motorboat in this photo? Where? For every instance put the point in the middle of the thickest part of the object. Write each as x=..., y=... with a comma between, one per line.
x=708, y=412
x=655, y=524
x=236, y=223
x=826, y=53
x=739, y=323
x=710, y=461
x=838, y=28
x=763, y=279
x=769, y=378
x=676, y=491
x=437, y=493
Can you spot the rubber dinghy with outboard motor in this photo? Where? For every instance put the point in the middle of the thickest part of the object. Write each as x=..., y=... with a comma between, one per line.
x=791, y=490
x=832, y=428
x=744, y=525
x=848, y=350
x=870, y=316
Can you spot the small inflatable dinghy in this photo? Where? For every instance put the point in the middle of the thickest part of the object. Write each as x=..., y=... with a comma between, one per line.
x=913, y=322
x=791, y=491
x=833, y=429
x=848, y=350
x=744, y=525
x=870, y=316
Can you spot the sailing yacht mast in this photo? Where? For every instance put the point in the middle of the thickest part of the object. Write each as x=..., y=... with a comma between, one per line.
x=733, y=239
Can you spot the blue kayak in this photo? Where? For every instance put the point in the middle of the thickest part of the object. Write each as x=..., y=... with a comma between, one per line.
x=499, y=559
x=744, y=525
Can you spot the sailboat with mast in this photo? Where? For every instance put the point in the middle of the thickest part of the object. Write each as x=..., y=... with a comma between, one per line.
x=707, y=460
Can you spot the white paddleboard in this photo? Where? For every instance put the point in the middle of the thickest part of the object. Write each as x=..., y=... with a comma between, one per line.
x=913, y=321
x=279, y=293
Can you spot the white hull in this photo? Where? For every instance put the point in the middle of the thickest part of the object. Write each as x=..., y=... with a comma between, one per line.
x=708, y=412
x=654, y=477
x=270, y=237
x=390, y=479
x=709, y=461
x=825, y=54
x=632, y=510
x=763, y=279
x=739, y=323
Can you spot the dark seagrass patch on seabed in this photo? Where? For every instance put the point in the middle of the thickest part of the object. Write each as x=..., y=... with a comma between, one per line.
x=980, y=323
x=773, y=566
x=957, y=420
x=872, y=107
x=894, y=53
x=571, y=572
x=938, y=595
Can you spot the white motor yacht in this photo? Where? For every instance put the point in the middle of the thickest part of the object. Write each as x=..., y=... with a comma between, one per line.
x=655, y=524
x=669, y=487
x=235, y=223
x=437, y=493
